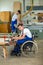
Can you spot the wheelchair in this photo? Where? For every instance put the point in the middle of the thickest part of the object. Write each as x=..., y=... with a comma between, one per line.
x=29, y=47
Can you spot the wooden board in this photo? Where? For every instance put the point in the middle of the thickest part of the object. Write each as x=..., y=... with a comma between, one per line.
x=17, y=6
x=5, y=28
x=40, y=17
x=5, y=16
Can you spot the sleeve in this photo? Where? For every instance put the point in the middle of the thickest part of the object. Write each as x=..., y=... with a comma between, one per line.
x=24, y=31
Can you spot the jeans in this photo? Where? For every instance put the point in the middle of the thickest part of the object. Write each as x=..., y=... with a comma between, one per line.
x=13, y=28
x=20, y=42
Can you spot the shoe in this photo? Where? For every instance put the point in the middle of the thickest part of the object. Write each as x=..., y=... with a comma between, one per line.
x=19, y=54
x=13, y=53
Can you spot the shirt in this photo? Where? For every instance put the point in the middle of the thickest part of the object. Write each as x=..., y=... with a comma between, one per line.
x=14, y=17
x=27, y=32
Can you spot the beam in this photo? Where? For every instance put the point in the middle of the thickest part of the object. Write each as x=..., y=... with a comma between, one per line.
x=28, y=10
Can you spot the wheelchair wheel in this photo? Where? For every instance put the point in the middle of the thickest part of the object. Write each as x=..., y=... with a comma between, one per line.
x=29, y=47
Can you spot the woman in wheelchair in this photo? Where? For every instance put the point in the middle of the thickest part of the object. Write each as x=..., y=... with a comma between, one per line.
x=25, y=36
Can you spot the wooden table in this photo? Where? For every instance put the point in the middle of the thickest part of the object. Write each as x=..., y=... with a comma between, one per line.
x=3, y=44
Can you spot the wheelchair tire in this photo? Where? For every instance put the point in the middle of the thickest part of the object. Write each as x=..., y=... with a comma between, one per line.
x=27, y=49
